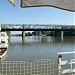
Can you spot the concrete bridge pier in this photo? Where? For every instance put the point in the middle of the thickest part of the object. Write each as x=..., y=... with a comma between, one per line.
x=23, y=37
x=62, y=34
x=23, y=33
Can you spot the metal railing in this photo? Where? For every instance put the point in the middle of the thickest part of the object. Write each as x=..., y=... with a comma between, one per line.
x=70, y=64
x=38, y=67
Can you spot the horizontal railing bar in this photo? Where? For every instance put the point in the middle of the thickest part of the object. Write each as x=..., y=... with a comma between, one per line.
x=66, y=52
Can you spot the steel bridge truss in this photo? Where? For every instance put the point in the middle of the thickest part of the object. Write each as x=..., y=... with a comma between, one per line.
x=12, y=27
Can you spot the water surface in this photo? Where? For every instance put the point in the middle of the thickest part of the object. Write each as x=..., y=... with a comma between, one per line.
x=32, y=48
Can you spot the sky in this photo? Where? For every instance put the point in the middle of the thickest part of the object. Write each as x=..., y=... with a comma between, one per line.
x=34, y=15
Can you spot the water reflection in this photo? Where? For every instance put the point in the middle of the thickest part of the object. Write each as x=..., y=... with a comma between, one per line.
x=44, y=39
x=39, y=46
x=23, y=41
x=67, y=39
x=30, y=39
x=41, y=39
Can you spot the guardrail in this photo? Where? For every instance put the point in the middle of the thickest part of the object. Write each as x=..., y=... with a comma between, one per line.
x=70, y=62
x=38, y=67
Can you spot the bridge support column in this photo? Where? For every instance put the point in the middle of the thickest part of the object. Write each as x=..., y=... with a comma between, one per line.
x=23, y=37
x=62, y=34
x=23, y=33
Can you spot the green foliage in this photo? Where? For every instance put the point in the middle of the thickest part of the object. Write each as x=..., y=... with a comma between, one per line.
x=8, y=32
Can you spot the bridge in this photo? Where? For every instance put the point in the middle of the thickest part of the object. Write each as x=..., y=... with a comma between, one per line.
x=37, y=27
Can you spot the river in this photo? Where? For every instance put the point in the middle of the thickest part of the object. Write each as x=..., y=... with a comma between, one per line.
x=32, y=48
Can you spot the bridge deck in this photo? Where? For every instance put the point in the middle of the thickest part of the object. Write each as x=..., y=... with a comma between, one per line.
x=37, y=29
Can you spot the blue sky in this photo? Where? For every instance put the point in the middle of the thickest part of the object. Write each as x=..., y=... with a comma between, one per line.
x=35, y=15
